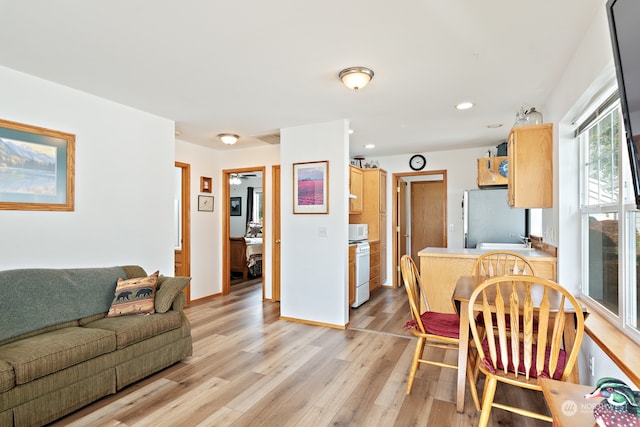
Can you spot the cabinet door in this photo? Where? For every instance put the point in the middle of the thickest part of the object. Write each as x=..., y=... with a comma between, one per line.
x=355, y=188
x=383, y=192
x=531, y=167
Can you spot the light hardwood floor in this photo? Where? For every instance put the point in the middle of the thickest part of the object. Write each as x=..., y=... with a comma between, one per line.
x=251, y=369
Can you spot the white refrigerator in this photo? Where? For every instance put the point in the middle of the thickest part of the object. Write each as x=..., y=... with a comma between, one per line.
x=489, y=219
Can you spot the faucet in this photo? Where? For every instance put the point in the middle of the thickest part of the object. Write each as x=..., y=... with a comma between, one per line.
x=526, y=241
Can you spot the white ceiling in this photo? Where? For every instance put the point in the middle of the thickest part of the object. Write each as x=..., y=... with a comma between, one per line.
x=252, y=67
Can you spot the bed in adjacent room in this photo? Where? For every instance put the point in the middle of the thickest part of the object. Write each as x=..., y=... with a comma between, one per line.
x=246, y=252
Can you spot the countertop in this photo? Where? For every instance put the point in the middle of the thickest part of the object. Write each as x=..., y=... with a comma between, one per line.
x=469, y=252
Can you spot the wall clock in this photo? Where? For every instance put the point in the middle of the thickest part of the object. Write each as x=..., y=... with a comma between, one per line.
x=503, y=168
x=417, y=162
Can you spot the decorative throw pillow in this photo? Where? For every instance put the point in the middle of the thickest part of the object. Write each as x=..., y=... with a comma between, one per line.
x=254, y=229
x=134, y=296
x=167, y=290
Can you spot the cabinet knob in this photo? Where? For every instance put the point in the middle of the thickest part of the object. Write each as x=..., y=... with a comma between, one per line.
x=277, y=241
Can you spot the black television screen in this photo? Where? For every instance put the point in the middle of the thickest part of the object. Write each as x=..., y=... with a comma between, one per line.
x=624, y=25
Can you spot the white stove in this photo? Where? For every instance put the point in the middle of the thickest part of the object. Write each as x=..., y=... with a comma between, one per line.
x=362, y=272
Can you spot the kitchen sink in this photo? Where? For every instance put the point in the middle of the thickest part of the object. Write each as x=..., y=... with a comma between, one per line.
x=504, y=246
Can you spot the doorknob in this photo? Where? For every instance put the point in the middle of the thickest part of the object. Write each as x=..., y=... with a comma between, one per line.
x=277, y=240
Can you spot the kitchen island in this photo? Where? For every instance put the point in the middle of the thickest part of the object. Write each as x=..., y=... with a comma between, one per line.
x=440, y=269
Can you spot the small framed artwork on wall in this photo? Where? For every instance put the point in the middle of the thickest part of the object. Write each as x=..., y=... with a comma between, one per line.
x=205, y=184
x=235, y=206
x=205, y=203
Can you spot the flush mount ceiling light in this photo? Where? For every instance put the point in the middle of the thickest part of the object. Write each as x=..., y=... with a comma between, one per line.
x=228, y=138
x=464, y=105
x=356, y=77
x=369, y=146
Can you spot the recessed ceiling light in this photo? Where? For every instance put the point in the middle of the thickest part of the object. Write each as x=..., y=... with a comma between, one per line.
x=464, y=105
x=494, y=125
x=369, y=146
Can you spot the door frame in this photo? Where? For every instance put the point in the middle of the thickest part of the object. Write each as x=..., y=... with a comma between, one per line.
x=394, y=215
x=226, y=225
x=186, y=223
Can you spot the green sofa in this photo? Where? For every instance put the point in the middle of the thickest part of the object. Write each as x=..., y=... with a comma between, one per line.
x=59, y=351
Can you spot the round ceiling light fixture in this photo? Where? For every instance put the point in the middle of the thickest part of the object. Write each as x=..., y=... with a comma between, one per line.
x=228, y=138
x=356, y=77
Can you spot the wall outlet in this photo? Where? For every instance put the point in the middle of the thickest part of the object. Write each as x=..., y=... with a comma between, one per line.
x=322, y=231
x=592, y=365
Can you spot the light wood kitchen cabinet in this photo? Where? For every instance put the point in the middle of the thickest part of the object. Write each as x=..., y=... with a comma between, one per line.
x=492, y=171
x=356, y=189
x=530, y=177
x=352, y=274
x=374, y=266
x=374, y=214
x=440, y=269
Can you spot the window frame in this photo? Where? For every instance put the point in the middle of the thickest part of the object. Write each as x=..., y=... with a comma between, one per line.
x=626, y=210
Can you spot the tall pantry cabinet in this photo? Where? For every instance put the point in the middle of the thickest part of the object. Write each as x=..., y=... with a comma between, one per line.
x=374, y=214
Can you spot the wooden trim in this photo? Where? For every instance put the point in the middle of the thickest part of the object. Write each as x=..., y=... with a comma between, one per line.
x=311, y=322
x=615, y=344
x=186, y=224
x=394, y=216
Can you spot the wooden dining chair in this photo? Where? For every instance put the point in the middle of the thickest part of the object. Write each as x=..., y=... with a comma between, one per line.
x=433, y=329
x=500, y=263
x=538, y=309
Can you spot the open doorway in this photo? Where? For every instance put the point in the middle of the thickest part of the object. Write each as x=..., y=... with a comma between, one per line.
x=182, y=223
x=418, y=195
x=244, y=225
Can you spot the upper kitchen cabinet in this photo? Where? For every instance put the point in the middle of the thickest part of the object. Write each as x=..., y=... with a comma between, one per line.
x=356, y=203
x=530, y=167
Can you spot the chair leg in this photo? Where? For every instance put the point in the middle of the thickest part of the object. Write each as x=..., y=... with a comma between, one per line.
x=487, y=400
x=472, y=384
x=417, y=354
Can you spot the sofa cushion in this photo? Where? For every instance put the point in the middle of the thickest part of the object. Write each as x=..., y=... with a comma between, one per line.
x=7, y=376
x=167, y=290
x=40, y=355
x=132, y=329
x=37, y=298
x=134, y=296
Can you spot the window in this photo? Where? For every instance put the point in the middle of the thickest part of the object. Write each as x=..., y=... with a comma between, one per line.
x=610, y=220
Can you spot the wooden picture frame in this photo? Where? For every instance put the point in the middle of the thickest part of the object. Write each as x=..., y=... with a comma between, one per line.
x=205, y=203
x=205, y=184
x=311, y=187
x=40, y=175
x=235, y=206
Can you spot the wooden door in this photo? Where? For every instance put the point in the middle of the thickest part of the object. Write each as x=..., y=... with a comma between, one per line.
x=401, y=229
x=182, y=254
x=428, y=216
x=275, y=260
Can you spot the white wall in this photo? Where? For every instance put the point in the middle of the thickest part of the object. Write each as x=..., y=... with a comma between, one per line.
x=462, y=174
x=124, y=166
x=314, y=280
x=588, y=75
x=237, y=224
x=206, y=227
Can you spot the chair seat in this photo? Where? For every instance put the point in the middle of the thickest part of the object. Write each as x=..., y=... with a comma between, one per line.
x=435, y=323
x=533, y=372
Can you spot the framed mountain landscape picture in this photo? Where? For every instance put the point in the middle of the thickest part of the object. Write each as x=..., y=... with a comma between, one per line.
x=36, y=168
x=311, y=188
